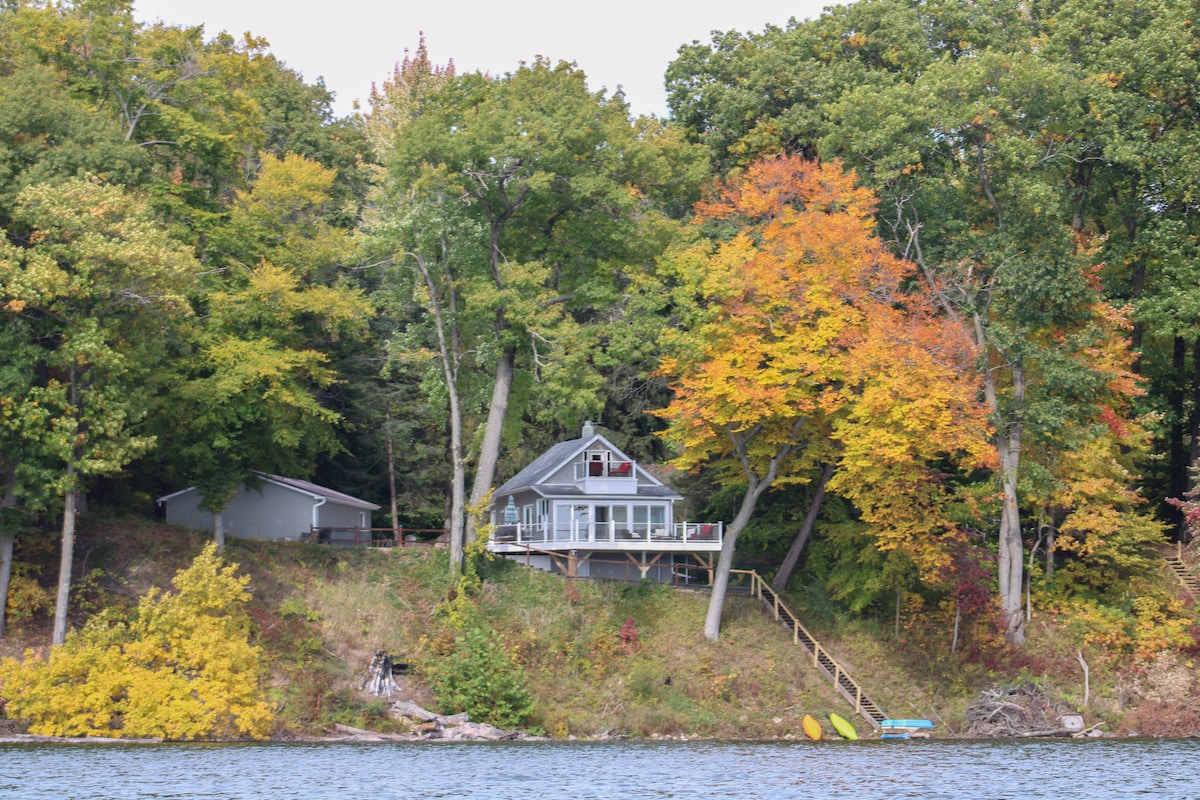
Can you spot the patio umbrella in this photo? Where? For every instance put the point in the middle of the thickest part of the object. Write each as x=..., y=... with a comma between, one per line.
x=510, y=512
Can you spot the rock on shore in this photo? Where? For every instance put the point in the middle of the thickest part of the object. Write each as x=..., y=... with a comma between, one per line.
x=424, y=725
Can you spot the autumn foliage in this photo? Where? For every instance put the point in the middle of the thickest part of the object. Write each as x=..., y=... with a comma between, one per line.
x=807, y=341
x=182, y=669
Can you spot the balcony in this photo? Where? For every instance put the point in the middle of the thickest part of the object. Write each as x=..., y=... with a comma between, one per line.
x=595, y=473
x=704, y=537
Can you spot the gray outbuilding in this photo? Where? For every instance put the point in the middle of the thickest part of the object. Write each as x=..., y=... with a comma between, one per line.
x=277, y=509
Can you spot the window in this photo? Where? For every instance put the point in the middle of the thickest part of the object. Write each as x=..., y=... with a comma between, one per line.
x=655, y=515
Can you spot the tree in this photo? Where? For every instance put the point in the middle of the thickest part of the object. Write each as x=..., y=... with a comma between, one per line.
x=249, y=390
x=94, y=287
x=563, y=194
x=985, y=218
x=803, y=349
x=1032, y=159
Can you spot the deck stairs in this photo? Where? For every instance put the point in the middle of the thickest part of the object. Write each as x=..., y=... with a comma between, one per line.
x=1182, y=572
x=842, y=681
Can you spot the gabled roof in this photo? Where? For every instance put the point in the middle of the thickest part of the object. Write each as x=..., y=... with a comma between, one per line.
x=541, y=468
x=545, y=464
x=317, y=491
x=305, y=487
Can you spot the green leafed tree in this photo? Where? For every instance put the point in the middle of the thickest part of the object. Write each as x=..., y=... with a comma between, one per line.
x=252, y=379
x=528, y=199
x=92, y=284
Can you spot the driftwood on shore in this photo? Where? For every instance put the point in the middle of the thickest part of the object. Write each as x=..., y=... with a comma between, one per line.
x=1023, y=712
x=424, y=725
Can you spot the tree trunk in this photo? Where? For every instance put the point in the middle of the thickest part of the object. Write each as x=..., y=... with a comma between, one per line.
x=6, y=544
x=6, y=552
x=489, y=453
x=1177, y=458
x=458, y=486
x=810, y=520
x=448, y=342
x=219, y=530
x=716, y=601
x=1011, y=566
x=66, y=560
x=391, y=466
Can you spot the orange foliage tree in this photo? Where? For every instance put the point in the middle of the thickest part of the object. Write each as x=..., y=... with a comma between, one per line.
x=801, y=346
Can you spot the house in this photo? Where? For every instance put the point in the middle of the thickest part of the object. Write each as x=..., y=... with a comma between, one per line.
x=584, y=508
x=278, y=508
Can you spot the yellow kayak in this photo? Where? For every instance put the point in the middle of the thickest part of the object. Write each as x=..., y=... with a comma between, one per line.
x=812, y=728
x=843, y=727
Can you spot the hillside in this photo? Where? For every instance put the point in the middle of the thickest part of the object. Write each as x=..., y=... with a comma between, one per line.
x=597, y=658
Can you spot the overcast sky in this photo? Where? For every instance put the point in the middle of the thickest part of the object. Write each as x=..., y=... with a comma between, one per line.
x=351, y=43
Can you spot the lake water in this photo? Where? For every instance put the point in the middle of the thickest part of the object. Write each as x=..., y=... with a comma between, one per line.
x=878, y=770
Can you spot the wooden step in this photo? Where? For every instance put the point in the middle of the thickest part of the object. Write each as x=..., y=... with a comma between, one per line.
x=820, y=657
x=1185, y=576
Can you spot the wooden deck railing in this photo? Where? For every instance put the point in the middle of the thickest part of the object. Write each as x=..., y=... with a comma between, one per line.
x=700, y=535
x=822, y=659
x=373, y=537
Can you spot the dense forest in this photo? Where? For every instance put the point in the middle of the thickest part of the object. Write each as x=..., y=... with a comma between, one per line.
x=906, y=292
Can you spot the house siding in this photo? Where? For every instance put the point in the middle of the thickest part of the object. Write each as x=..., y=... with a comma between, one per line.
x=333, y=515
x=278, y=513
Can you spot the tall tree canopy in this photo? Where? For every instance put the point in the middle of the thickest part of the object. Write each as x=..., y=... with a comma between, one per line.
x=1001, y=138
x=519, y=206
x=93, y=289
x=804, y=349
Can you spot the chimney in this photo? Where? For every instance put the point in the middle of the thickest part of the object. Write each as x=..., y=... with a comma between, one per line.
x=589, y=429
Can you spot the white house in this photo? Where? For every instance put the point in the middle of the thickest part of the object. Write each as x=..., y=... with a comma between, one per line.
x=279, y=508
x=584, y=508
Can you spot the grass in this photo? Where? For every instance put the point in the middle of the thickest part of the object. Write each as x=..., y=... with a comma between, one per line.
x=599, y=658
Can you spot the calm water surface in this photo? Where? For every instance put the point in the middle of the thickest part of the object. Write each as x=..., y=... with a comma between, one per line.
x=1109, y=769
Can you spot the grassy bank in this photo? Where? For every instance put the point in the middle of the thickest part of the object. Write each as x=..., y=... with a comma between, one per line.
x=600, y=658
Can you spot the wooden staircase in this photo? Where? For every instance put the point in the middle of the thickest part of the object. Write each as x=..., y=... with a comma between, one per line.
x=1180, y=570
x=821, y=659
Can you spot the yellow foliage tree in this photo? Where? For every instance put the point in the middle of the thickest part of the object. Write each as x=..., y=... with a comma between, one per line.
x=804, y=348
x=182, y=669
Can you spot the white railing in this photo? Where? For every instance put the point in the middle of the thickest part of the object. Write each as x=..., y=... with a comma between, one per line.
x=604, y=469
x=701, y=535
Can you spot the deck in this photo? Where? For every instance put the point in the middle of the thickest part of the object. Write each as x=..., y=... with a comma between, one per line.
x=681, y=537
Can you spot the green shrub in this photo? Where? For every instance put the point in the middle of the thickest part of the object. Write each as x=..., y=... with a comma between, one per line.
x=482, y=678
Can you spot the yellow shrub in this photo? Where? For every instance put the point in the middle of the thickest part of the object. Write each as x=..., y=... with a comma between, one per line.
x=183, y=669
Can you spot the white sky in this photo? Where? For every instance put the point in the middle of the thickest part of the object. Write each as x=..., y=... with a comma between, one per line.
x=351, y=43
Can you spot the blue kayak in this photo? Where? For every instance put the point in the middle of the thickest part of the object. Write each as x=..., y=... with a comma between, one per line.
x=914, y=724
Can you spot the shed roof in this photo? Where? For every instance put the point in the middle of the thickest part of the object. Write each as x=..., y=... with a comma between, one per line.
x=294, y=484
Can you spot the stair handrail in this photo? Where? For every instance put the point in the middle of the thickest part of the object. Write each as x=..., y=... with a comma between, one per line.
x=779, y=608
